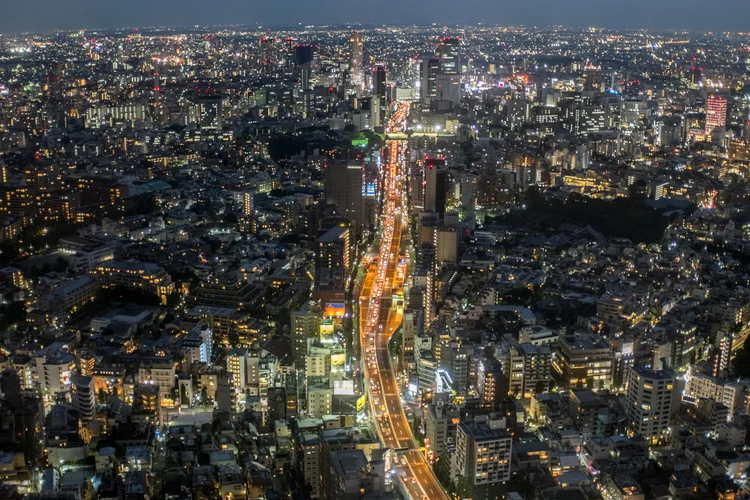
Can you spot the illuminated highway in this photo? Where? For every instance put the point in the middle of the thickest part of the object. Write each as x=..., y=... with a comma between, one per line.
x=379, y=319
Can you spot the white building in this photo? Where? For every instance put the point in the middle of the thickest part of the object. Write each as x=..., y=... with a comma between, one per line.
x=649, y=403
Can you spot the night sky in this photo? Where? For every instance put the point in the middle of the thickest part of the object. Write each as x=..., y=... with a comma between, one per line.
x=39, y=15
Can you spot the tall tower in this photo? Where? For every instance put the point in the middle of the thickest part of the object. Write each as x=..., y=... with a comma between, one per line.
x=430, y=70
x=448, y=52
x=716, y=113
x=356, y=48
x=379, y=91
x=344, y=181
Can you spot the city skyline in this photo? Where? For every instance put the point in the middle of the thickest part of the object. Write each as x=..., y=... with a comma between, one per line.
x=639, y=14
x=358, y=262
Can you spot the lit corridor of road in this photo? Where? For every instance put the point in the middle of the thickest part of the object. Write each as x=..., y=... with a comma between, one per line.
x=380, y=317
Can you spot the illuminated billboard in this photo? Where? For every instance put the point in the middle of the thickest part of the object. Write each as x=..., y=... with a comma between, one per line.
x=343, y=387
x=361, y=402
x=335, y=309
x=326, y=330
x=338, y=359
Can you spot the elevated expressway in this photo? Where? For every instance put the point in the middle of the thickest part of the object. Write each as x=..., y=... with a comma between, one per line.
x=379, y=318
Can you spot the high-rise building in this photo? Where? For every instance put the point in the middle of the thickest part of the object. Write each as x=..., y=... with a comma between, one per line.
x=332, y=263
x=344, y=181
x=353, y=477
x=492, y=383
x=380, y=93
x=482, y=458
x=84, y=399
x=305, y=327
x=247, y=202
x=585, y=360
x=408, y=331
x=441, y=421
x=649, y=403
x=269, y=55
x=303, y=54
x=716, y=113
x=447, y=90
x=310, y=451
x=210, y=114
x=331, y=441
x=430, y=72
x=448, y=51
x=435, y=185
x=356, y=52
x=99, y=194
x=290, y=46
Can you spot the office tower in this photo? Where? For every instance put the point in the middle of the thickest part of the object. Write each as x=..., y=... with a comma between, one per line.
x=441, y=420
x=584, y=360
x=353, y=477
x=269, y=55
x=435, y=185
x=290, y=45
x=481, y=464
x=492, y=383
x=332, y=264
x=247, y=202
x=537, y=361
x=518, y=111
x=448, y=53
x=408, y=331
x=303, y=54
x=103, y=194
x=343, y=184
x=427, y=367
x=331, y=441
x=310, y=452
x=210, y=113
x=426, y=267
x=459, y=369
x=356, y=47
x=305, y=327
x=304, y=57
x=380, y=94
x=223, y=395
x=430, y=71
x=447, y=91
x=84, y=398
x=716, y=113
x=649, y=403
x=696, y=76
x=198, y=344
x=723, y=352
x=243, y=367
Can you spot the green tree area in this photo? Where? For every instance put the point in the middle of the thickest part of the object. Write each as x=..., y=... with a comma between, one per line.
x=34, y=238
x=284, y=146
x=11, y=314
x=122, y=294
x=623, y=217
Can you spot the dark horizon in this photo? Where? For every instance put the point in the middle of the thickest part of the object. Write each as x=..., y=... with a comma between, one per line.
x=694, y=15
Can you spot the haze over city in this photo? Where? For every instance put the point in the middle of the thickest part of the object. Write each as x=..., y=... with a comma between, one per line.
x=722, y=15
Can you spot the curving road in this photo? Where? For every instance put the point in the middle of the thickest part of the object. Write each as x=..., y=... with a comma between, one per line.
x=380, y=318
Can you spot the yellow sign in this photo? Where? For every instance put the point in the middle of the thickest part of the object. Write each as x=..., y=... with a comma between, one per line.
x=361, y=402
